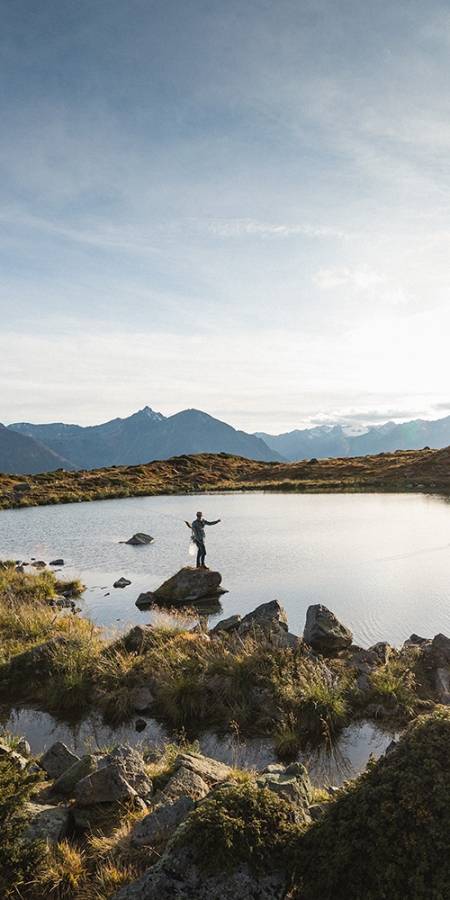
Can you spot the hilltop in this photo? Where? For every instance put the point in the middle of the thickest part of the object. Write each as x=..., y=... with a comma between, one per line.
x=405, y=470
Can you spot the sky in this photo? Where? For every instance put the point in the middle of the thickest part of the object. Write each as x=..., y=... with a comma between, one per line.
x=241, y=207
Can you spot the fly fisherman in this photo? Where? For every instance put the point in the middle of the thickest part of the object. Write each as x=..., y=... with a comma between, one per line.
x=198, y=533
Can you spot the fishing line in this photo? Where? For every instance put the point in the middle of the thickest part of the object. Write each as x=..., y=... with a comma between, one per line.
x=412, y=555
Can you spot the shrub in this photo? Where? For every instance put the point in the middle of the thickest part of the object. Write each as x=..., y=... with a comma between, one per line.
x=242, y=824
x=386, y=836
x=17, y=859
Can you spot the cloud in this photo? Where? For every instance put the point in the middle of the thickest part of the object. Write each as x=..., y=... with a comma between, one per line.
x=254, y=228
x=362, y=279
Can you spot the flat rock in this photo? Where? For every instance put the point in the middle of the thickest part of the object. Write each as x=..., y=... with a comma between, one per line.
x=186, y=586
x=323, y=631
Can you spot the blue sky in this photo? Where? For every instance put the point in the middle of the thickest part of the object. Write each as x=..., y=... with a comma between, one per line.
x=237, y=206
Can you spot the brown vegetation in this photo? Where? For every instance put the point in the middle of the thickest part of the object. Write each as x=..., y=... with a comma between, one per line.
x=405, y=470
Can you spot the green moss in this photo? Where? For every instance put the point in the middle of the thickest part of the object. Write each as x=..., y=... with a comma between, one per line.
x=387, y=835
x=242, y=824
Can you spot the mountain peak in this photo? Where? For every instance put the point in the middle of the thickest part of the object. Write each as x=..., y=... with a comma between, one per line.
x=156, y=416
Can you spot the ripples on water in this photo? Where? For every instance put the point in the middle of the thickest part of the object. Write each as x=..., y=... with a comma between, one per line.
x=381, y=563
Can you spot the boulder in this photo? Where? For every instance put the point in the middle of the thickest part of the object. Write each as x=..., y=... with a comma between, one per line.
x=47, y=823
x=106, y=785
x=227, y=625
x=177, y=876
x=119, y=775
x=19, y=760
x=162, y=822
x=131, y=763
x=121, y=583
x=57, y=562
x=323, y=631
x=57, y=759
x=441, y=644
x=139, y=538
x=139, y=638
x=66, y=782
x=271, y=617
x=291, y=784
x=186, y=783
x=186, y=586
x=143, y=699
x=211, y=770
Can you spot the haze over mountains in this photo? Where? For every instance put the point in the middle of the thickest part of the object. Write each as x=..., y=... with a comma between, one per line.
x=146, y=435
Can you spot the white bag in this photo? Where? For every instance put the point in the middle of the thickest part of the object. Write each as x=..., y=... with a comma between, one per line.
x=192, y=548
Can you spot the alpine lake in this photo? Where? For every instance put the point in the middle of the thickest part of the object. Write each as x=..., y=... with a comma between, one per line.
x=379, y=562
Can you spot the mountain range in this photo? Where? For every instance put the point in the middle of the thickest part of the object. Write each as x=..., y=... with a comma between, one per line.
x=147, y=435
x=140, y=438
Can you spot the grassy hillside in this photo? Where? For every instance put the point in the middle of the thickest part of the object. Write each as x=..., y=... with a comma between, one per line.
x=405, y=470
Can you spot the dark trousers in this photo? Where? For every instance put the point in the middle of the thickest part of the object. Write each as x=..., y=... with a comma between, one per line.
x=201, y=553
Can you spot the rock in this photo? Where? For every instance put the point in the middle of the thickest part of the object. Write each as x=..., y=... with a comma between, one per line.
x=383, y=651
x=176, y=876
x=160, y=823
x=323, y=631
x=210, y=770
x=227, y=625
x=443, y=686
x=36, y=658
x=139, y=538
x=66, y=782
x=38, y=564
x=186, y=586
x=121, y=583
x=143, y=699
x=57, y=759
x=186, y=783
x=317, y=811
x=57, y=562
x=131, y=763
x=271, y=617
x=140, y=725
x=286, y=639
x=441, y=644
x=47, y=823
x=139, y=638
x=105, y=785
x=291, y=784
x=17, y=758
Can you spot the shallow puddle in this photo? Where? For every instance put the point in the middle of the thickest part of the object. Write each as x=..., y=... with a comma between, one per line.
x=326, y=766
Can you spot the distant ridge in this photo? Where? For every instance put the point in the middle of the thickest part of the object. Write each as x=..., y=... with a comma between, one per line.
x=22, y=455
x=140, y=438
x=332, y=441
x=148, y=435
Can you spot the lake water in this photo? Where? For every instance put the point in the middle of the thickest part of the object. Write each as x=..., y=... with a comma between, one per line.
x=380, y=562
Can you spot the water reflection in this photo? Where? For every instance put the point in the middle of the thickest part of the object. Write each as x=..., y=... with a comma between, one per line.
x=327, y=765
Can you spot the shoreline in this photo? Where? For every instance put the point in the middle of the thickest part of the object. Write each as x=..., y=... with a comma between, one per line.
x=403, y=471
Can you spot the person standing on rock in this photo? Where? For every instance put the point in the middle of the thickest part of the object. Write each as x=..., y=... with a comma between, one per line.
x=198, y=533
